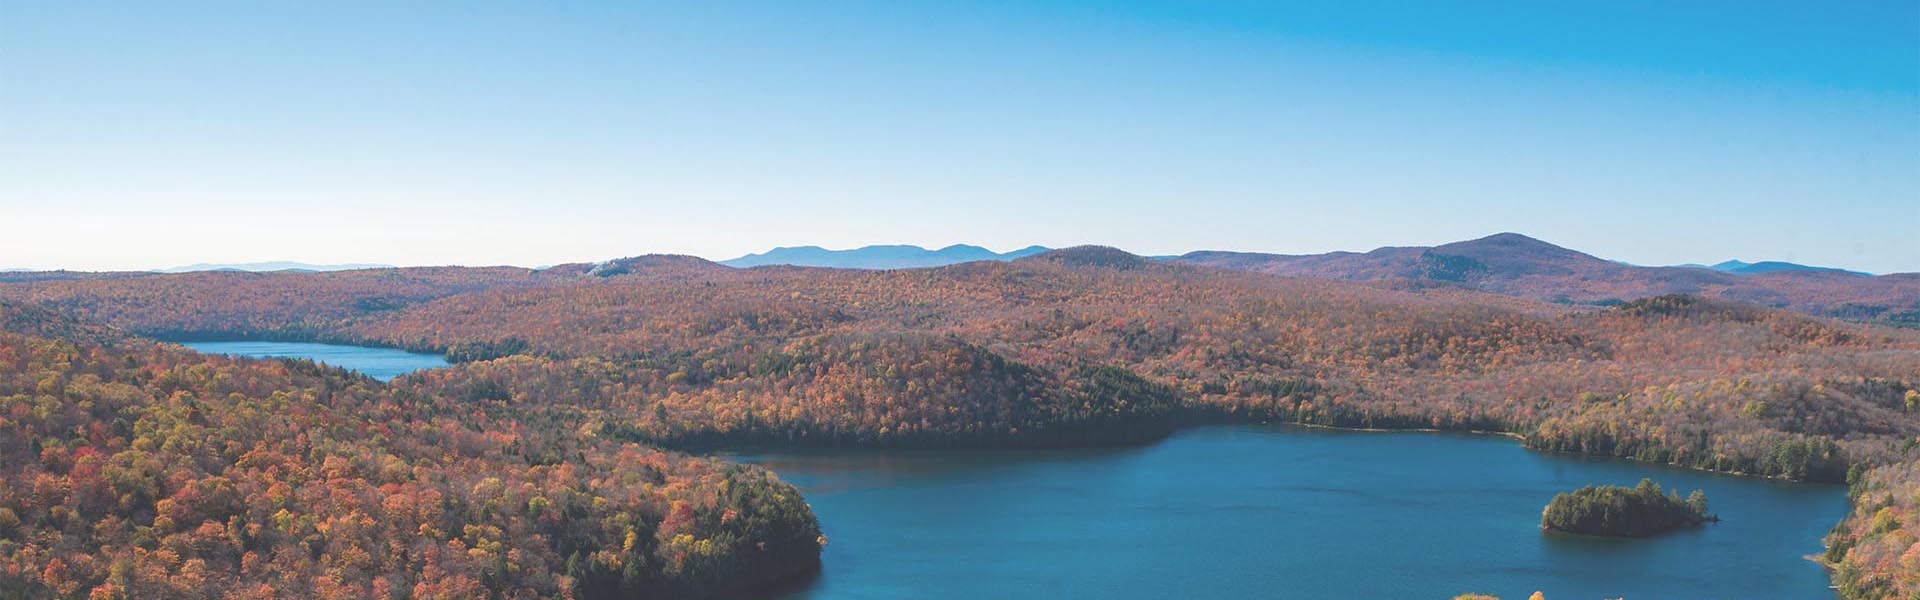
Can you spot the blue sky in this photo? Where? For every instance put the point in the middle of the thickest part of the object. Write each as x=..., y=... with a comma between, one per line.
x=144, y=135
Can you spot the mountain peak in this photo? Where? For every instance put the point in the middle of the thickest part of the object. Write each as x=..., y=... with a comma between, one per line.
x=1509, y=241
x=1515, y=254
x=895, y=256
x=658, y=263
x=1091, y=256
x=1510, y=237
x=1740, y=267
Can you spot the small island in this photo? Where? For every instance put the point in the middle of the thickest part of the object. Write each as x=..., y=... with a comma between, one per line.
x=1615, y=511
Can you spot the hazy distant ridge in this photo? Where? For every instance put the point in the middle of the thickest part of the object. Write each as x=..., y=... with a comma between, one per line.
x=1773, y=266
x=1517, y=265
x=877, y=257
x=263, y=267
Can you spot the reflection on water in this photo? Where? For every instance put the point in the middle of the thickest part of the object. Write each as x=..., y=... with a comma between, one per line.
x=830, y=471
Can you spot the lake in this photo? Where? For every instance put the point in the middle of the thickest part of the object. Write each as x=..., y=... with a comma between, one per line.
x=383, y=364
x=1282, y=512
x=1253, y=512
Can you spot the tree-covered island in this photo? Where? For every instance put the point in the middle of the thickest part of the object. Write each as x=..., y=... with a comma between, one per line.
x=1616, y=511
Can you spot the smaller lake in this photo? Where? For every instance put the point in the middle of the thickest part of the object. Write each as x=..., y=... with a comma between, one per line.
x=383, y=364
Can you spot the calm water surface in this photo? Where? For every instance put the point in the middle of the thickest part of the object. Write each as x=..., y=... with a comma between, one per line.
x=383, y=364
x=1282, y=512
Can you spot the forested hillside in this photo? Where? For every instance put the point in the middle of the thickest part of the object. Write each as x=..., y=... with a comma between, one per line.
x=1517, y=265
x=134, y=469
x=229, y=304
x=824, y=354
x=676, y=349
x=1094, y=345
x=1875, y=552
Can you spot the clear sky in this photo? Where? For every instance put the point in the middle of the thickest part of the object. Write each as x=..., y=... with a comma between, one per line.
x=144, y=135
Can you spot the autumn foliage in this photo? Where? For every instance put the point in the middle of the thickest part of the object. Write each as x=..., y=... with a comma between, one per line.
x=142, y=470
x=1875, y=552
x=1085, y=345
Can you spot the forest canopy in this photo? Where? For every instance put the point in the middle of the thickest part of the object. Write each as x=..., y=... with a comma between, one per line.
x=141, y=470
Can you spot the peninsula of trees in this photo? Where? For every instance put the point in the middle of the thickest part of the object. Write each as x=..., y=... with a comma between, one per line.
x=1616, y=511
x=1875, y=552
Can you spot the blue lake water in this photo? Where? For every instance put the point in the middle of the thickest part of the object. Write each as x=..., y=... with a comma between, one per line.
x=1282, y=512
x=383, y=364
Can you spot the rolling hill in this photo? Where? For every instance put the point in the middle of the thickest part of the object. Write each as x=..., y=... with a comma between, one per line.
x=1774, y=266
x=152, y=471
x=877, y=257
x=1517, y=265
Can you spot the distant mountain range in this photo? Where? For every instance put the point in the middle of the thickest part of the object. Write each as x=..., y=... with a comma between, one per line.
x=905, y=256
x=1770, y=266
x=1507, y=263
x=266, y=267
x=1517, y=265
x=877, y=257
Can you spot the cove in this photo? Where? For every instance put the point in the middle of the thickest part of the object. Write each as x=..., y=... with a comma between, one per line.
x=1282, y=512
x=383, y=364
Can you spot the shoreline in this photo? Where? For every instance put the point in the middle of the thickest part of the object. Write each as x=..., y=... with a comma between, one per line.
x=1522, y=439
x=1504, y=434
